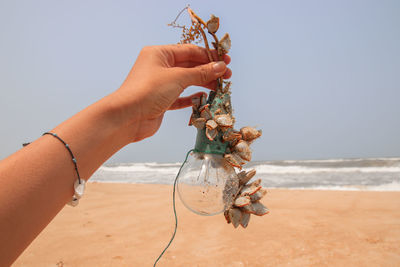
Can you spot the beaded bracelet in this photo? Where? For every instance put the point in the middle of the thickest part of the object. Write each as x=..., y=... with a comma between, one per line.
x=79, y=185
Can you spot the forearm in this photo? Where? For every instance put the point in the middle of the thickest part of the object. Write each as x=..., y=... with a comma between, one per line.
x=37, y=181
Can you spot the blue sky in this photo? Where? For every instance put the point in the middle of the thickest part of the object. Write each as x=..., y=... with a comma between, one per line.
x=320, y=78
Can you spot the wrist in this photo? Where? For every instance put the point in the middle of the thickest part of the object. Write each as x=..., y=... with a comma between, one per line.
x=122, y=114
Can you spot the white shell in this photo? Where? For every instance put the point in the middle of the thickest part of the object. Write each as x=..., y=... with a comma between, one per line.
x=259, y=209
x=206, y=113
x=246, y=176
x=213, y=24
x=211, y=124
x=211, y=133
x=243, y=149
x=199, y=123
x=203, y=100
x=258, y=195
x=79, y=188
x=74, y=202
x=250, y=133
x=235, y=215
x=245, y=219
x=225, y=42
x=242, y=201
x=196, y=102
x=224, y=120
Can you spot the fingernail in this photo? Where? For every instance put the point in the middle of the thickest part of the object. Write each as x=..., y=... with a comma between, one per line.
x=219, y=66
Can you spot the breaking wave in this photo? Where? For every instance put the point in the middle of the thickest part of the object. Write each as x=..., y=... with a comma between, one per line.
x=376, y=174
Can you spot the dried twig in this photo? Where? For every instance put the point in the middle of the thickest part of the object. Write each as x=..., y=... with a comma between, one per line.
x=193, y=33
x=197, y=19
x=173, y=23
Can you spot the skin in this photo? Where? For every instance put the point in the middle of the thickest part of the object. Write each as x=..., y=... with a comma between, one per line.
x=37, y=181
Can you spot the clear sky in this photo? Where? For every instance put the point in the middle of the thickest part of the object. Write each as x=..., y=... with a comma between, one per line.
x=320, y=78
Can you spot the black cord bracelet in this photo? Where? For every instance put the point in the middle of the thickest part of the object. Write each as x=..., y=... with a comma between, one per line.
x=79, y=185
x=70, y=152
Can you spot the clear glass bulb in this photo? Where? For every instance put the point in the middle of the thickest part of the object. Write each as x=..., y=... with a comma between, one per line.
x=207, y=184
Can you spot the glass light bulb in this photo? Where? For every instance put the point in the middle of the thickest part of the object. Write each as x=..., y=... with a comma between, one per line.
x=207, y=184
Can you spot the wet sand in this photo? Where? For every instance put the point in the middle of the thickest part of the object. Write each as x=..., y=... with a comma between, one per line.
x=129, y=225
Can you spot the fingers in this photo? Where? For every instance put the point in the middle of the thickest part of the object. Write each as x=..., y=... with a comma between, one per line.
x=227, y=74
x=227, y=59
x=191, y=63
x=213, y=84
x=184, y=102
x=191, y=53
x=200, y=75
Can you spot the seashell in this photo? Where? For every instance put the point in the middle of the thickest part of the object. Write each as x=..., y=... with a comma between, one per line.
x=79, y=188
x=224, y=120
x=206, y=113
x=259, y=209
x=226, y=88
x=251, y=189
x=225, y=43
x=245, y=219
x=244, y=178
x=248, y=209
x=203, y=100
x=238, y=158
x=241, y=176
x=233, y=144
x=213, y=24
x=211, y=133
x=196, y=102
x=211, y=124
x=243, y=150
x=235, y=215
x=202, y=107
x=226, y=215
x=195, y=111
x=232, y=160
x=195, y=114
x=74, y=202
x=191, y=120
x=231, y=136
x=224, y=129
x=258, y=195
x=250, y=133
x=242, y=201
x=256, y=182
x=199, y=123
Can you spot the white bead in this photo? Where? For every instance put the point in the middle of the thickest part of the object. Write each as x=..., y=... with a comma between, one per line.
x=74, y=202
x=79, y=188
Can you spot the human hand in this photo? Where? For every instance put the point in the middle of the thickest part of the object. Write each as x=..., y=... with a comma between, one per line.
x=158, y=77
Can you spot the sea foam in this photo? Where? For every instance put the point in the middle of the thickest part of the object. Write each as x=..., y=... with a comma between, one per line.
x=374, y=174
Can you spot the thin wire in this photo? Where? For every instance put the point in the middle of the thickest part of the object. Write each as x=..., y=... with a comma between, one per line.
x=70, y=152
x=173, y=204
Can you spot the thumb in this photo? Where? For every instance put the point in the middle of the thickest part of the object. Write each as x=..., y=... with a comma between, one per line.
x=201, y=75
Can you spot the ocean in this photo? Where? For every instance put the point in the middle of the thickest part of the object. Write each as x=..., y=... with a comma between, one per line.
x=372, y=174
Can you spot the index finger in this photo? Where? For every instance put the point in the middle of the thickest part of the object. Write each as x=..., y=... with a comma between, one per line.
x=191, y=53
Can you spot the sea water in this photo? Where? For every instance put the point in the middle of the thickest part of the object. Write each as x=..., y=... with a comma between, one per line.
x=375, y=174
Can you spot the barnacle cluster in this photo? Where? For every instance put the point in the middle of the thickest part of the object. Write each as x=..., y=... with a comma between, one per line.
x=214, y=117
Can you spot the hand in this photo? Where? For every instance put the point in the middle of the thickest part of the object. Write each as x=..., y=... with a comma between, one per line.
x=158, y=77
x=131, y=113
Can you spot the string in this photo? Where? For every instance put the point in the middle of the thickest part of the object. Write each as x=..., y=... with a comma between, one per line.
x=174, y=206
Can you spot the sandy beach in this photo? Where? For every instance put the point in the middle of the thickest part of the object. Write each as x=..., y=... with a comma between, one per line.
x=130, y=224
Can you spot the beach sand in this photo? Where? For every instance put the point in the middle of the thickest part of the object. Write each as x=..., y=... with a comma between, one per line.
x=130, y=224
